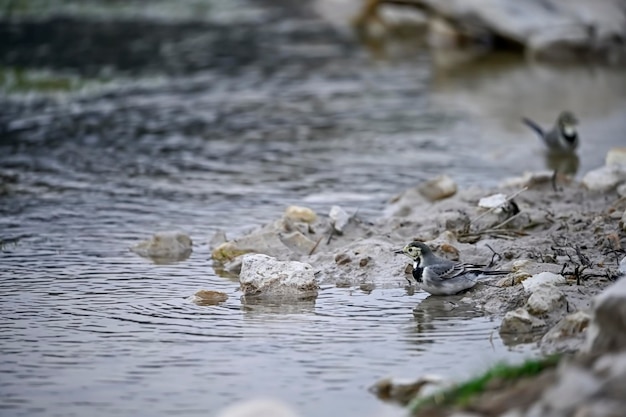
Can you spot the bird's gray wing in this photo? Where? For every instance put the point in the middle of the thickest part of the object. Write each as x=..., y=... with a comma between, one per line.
x=447, y=270
x=552, y=138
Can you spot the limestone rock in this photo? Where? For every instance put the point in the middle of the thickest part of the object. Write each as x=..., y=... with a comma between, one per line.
x=520, y=321
x=266, y=242
x=528, y=179
x=616, y=156
x=567, y=335
x=297, y=242
x=300, y=214
x=492, y=201
x=606, y=333
x=339, y=218
x=174, y=246
x=545, y=299
x=606, y=178
x=543, y=278
x=264, y=275
x=438, y=188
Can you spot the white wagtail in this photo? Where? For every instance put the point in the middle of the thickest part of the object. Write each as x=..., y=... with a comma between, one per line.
x=563, y=137
x=440, y=276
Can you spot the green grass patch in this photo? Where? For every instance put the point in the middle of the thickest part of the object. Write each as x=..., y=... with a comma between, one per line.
x=461, y=394
x=19, y=80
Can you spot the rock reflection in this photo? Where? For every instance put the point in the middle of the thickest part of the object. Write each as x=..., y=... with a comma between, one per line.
x=168, y=260
x=255, y=305
x=515, y=339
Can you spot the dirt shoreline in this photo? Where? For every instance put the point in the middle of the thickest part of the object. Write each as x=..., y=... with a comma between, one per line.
x=571, y=231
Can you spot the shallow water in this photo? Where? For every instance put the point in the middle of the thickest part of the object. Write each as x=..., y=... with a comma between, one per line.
x=200, y=142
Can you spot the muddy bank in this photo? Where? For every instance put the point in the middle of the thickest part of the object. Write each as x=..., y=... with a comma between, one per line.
x=563, y=246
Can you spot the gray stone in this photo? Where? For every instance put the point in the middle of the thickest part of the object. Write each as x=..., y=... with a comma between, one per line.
x=438, y=188
x=607, y=331
x=297, y=242
x=575, y=386
x=567, y=335
x=605, y=179
x=339, y=218
x=528, y=179
x=262, y=274
x=616, y=156
x=266, y=242
x=520, y=321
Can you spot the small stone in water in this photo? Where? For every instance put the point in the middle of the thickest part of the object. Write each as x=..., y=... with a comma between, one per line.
x=208, y=297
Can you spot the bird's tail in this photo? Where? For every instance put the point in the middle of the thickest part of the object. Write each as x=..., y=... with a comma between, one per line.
x=534, y=126
x=496, y=272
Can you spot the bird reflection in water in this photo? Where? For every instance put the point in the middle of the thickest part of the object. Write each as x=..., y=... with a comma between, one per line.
x=563, y=163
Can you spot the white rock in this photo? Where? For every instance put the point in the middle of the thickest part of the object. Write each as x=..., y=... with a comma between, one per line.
x=528, y=179
x=622, y=266
x=520, y=321
x=300, y=214
x=545, y=299
x=616, y=156
x=261, y=407
x=338, y=218
x=438, y=188
x=262, y=274
x=605, y=179
x=492, y=201
x=623, y=221
x=543, y=278
x=606, y=332
x=621, y=190
x=164, y=245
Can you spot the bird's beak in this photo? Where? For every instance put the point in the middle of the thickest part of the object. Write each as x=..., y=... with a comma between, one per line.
x=398, y=251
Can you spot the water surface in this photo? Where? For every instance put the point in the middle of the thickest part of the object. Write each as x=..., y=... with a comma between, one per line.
x=218, y=124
